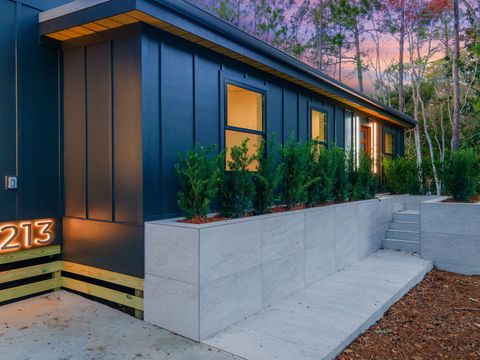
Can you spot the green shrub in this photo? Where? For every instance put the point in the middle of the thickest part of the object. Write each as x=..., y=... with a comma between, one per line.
x=237, y=188
x=401, y=176
x=293, y=166
x=199, y=177
x=461, y=175
x=324, y=188
x=341, y=185
x=364, y=182
x=267, y=177
x=313, y=183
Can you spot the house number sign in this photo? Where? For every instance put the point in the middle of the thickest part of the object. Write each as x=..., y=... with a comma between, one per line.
x=20, y=235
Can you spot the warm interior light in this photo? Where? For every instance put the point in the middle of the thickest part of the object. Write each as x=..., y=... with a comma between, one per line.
x=374, y=147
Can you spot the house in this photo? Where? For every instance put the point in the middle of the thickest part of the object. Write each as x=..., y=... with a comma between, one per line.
x=105, y=93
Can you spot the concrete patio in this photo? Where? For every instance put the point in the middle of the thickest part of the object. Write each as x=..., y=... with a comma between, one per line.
x=314, y=323
x=321, y=320
x=63, y=325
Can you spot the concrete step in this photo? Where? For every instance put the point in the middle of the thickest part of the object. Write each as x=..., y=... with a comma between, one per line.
x=403, y=235
x=405, y=225
x=410, y=216
x=401, y=245
x=319, y=321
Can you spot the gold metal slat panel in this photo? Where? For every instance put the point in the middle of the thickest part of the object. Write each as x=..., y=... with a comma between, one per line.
x=30, y=254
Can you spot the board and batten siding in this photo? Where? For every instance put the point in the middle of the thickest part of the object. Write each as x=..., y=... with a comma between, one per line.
x=188, y=82
x=103, y=223
x=135, y=98
x=30, y=116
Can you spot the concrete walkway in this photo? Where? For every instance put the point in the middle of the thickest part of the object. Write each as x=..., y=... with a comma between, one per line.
x=321, y=320
x=63, y=325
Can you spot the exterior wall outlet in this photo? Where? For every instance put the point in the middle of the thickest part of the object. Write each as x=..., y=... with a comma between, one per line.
x=11, y=182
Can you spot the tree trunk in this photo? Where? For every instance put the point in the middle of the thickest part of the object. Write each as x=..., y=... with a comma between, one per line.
x=438, y=185
x=340, y=63
x=401, y=44
x=320, y=37
x=358, y=57
x=456, y=83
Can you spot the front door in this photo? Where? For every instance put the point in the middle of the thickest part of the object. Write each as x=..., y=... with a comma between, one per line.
x=366, y=139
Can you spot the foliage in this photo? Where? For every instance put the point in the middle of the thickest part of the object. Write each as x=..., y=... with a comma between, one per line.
x=237, y=188
x=461, y=175
x=328, y=172
x=401, y=176
x=314, y=176
x=293, y=168
x=267, y=177
x=365, y=181
x=341, y=186
x=199, y=177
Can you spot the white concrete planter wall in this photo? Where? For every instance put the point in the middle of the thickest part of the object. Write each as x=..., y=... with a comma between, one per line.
x=200, y=279
x=450, y=235
x=411, y=202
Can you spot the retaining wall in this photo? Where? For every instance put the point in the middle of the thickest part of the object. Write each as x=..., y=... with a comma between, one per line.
x=450, y=235
x=200, y=279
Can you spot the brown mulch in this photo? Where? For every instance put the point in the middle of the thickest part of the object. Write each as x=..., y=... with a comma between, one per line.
x=474, y=199
x=438, y=319
x=200, y=220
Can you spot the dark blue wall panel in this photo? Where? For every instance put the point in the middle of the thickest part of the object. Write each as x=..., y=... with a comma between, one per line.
x=103, y=226
x=8, y=208
x=176, y=115
x=127, y=130
x=75, y=178
x=99, y=131
x=183, y=104
x=30, y=116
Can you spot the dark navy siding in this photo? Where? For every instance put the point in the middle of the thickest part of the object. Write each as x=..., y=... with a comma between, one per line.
x=184, y=104
x=103, y=224
x=30, y=113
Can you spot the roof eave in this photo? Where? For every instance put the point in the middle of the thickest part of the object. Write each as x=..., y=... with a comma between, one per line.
x=191, y=18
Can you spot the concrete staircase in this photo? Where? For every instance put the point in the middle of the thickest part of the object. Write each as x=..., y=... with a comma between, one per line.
x=404, y=232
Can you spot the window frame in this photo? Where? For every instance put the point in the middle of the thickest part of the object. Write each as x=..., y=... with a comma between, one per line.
x=226, y=127
x=249, y=88
x=310, y=127
x=387, y=130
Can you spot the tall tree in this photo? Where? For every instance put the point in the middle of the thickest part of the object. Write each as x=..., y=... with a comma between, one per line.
x=350, y=15
x=319, y=20
x=455, y=79
x=395, y=16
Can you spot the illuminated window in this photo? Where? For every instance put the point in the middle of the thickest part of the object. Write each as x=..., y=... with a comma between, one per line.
x=389, y=145
x=319, y=127
x=245, y=119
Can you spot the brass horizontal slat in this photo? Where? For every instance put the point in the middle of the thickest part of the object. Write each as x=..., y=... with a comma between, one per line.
x=103, y=293
x=104, y=275
x=30, y=271
x=29, y=289
x=30, y=254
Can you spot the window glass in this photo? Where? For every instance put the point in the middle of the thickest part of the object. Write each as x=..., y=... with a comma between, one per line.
x=388, y=144
x=244, y=112
x=235, y=138
x=244, y=108
x=319, y=126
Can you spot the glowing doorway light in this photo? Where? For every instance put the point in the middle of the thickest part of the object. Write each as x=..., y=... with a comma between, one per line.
x=374, y=147
x=357, y=139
